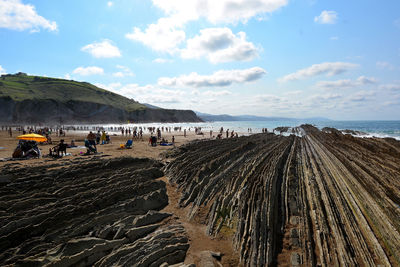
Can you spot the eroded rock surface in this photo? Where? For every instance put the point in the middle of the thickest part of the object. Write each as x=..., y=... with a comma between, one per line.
x=314, y=198
x=92, y=213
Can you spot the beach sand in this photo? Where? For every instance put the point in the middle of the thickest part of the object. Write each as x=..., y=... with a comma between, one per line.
x=141, y=148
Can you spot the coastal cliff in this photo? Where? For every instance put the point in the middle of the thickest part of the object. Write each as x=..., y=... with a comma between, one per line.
x=33, y=99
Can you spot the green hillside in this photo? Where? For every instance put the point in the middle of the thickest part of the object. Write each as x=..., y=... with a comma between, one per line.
x=23, y=87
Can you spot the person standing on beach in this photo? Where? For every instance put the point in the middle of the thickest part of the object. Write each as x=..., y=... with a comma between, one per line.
x=10, y=132
x=103, y=138
x=184, y=133
x=98, y=135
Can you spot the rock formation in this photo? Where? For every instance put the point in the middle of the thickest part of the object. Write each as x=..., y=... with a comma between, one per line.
x=311, y=198
x=89, y=213
x=52, y=111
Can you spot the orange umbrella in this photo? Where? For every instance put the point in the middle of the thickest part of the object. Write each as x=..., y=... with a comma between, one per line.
x=32, y=137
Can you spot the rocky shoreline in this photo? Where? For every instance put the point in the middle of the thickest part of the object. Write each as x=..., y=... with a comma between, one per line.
x=323, y=199
x=307, y=199
x=93, y=213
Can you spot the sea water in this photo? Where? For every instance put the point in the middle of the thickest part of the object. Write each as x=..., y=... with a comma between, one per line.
x=370, y=128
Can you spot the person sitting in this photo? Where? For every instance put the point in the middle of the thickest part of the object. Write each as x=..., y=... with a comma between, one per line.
x=59, y=150
x=27, y=149
x=90, y=148
x=72, y=144
x=91, y=137
x=108, y=140
x=48, y=139
x=128, y=144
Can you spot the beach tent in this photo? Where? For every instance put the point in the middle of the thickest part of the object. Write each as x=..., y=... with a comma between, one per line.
x=32, y=137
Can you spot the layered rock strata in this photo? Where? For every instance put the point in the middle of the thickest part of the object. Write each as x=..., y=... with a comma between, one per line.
x=90, y=212
x=313, y=198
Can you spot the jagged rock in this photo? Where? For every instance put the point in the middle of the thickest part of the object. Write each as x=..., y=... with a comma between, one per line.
x=332, y=198
x=295, y=259
x=90, y=212
x=150, y=217
x=206, y=259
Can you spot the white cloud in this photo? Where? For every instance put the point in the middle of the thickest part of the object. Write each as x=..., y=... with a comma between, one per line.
x=104, y=49
x=384, y=65
x=219, y=78
x=161, y=60
x=167, y=34
x=110, y=4
x=362, y=96
x=67, y=76
x=327, y=17
x=86, y=71
x=221, y=11
x=2, y=70
x=124, y=72
x=334, y=38
x=325, y=97
x=269, y=98
x=392, y=86
x=216, y=93
x=113, y=87
x=362, y=80
x=119, y=74
x=328, y=68
x=15, y=15
x=220, y=45
x=146, y=94
x=164, y=36
x=391, y=103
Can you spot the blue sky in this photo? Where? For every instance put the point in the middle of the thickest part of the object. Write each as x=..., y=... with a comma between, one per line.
x=295, y=58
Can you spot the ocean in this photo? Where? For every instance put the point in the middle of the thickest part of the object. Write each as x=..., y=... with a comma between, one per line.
x=371, y=128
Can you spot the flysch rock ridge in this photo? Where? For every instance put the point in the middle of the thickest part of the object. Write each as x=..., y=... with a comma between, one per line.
x=91, y=212
x=318, y=198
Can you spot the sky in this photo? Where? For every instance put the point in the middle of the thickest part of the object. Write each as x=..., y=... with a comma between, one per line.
x=292, y=58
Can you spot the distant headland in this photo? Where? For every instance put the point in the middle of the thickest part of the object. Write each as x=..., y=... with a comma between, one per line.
x=36, y=99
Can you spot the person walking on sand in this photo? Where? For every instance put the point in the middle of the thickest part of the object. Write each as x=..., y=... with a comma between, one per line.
x=184, y=133
x=10, y=131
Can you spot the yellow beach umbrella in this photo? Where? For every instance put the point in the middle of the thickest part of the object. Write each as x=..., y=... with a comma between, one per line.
x=32, y=137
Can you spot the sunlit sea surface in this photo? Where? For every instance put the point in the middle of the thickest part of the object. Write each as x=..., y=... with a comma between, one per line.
x=371, y=128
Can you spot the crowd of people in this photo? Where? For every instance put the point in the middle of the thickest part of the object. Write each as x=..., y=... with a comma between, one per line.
x=102, y=136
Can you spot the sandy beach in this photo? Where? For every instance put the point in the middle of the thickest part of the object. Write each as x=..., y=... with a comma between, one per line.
x=141, y=147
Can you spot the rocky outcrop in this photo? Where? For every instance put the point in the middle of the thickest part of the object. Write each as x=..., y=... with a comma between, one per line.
x=314, y=198
x=52, y=111
x=88, y=212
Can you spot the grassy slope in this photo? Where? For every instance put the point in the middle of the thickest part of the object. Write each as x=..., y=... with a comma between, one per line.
x=21, y=88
